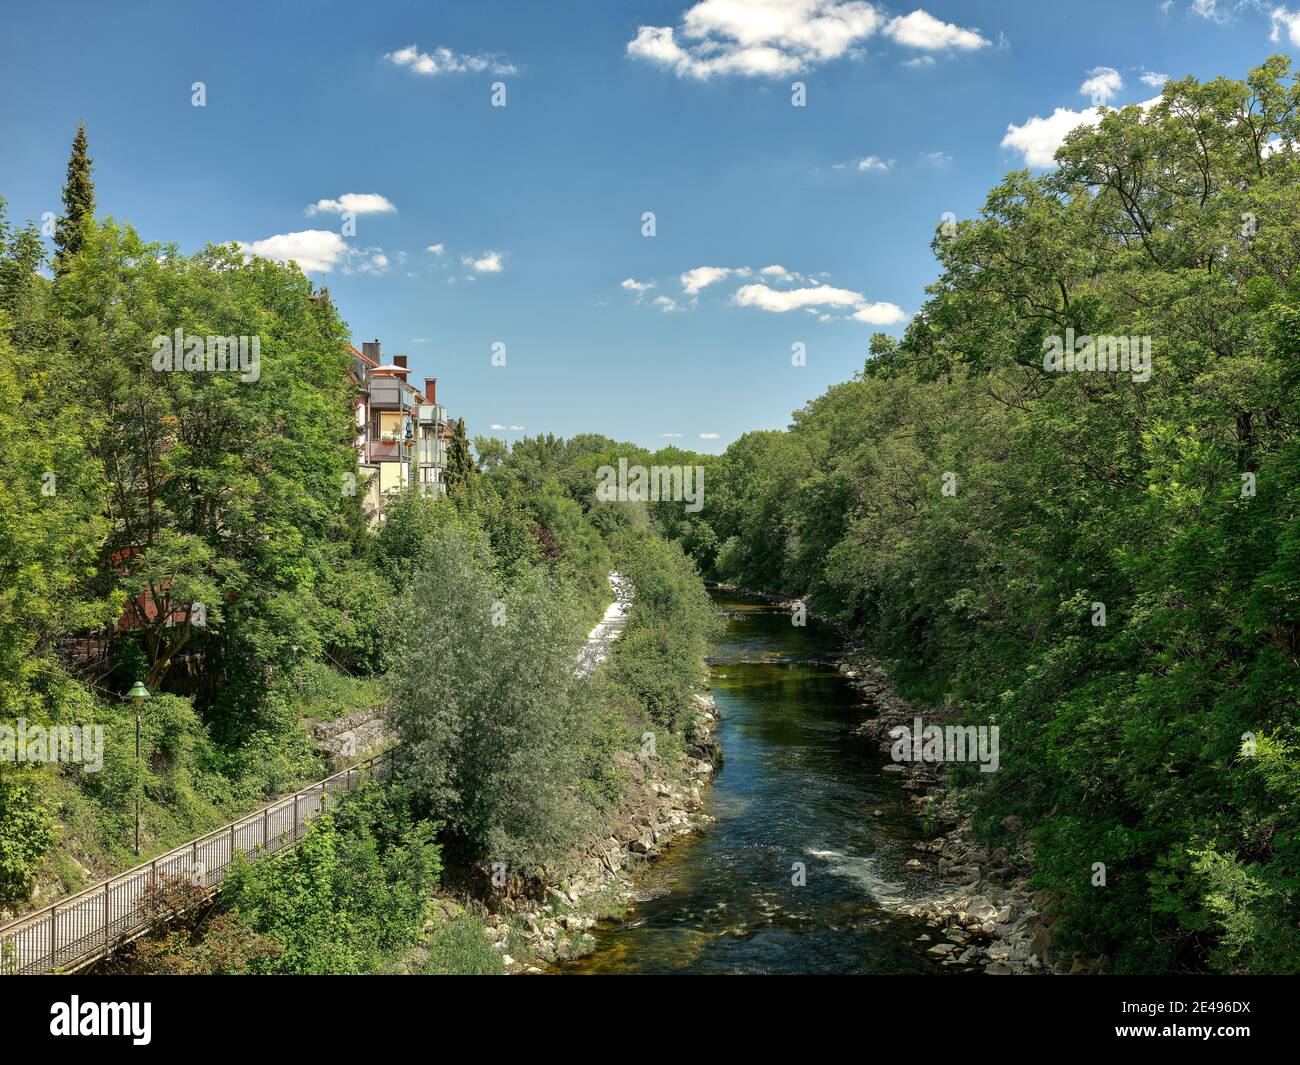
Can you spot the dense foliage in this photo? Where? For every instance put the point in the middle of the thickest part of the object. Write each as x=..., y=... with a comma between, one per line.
x=1106, y=567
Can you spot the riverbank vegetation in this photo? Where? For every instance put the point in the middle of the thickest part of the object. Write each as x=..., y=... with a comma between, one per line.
x=1105, y=565
x=196, y=531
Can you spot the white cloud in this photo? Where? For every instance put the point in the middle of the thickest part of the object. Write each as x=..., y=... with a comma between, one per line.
x=1209, y=9
x=1283, y=19
x=445, y=61
x=489, y=263
x=354, y=202
x=365, y=261
x=920, y=29
x=1156, y=81
x=419, y=340
x=437, y=249
x=695, y=281
x=937, y=158
x=920, y=61
x=666, y=304
x=779, y=273
x=780, y=301
x=879, y=313
x=873, y=162
x=757, y=38
x=1039, y=138
x=314, y=250
x=633, y=285
x=710, y=436
x=670, y=435
x=1102, y=84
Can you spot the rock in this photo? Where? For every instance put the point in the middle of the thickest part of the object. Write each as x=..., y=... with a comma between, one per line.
x=998, y=969
x=941, y=950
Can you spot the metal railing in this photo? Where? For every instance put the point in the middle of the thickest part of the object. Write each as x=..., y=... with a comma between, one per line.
x=83, y=927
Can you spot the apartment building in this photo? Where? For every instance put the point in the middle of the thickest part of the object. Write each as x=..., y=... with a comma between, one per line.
x=402, y=431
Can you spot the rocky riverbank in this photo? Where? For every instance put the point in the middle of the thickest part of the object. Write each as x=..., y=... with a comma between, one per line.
x=658, y=805
x=985, y=918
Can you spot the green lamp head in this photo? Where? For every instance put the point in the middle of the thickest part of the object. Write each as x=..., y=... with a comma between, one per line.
x=139, y=692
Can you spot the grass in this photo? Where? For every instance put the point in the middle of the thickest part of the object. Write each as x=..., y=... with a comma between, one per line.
x=459, y=947
x=322, y=693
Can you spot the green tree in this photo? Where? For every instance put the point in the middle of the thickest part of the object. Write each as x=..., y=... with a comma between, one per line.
x=78, y=202
x=460, y=463
x=484, y=703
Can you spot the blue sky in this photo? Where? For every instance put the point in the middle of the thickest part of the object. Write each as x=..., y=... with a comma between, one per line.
x=534, y=210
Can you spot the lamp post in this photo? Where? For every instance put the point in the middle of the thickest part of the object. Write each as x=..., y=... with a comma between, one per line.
x=139, y=695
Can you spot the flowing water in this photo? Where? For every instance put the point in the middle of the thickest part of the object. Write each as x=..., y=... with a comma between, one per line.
x=796, y=787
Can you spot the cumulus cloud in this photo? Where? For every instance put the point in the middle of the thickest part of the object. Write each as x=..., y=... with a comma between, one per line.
x=490, y=262
x=316, y=251
x=775, y=38
x=1284, y=21
x=1102, y=84
x=761, y=38
x=710, y=436
x=920, y=29
x=871, y=163
x=815, y=297
x=355, y=203
x=666, y=304
x=1156, y=81
x=445, y=61
x=1038, y=138
x=695, y=281
x=777, y=272
x=437, y=249
x=633, y=285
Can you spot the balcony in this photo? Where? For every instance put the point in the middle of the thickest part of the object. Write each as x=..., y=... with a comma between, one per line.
x=387, y=393
x=387, y=451
x=432, y=414
x=432, y=452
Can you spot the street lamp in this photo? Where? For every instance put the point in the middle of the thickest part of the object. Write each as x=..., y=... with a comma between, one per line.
x=139, y=695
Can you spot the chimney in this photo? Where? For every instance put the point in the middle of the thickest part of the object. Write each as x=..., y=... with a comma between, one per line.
x=400, y=362
x=431, y=390
x=370, y=349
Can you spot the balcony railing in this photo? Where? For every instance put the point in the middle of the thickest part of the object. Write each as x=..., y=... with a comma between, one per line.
x=384, y=451
x=433, y=413
x=389, y=394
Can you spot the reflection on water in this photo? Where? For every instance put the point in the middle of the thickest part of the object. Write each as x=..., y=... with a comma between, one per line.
x=796, y=786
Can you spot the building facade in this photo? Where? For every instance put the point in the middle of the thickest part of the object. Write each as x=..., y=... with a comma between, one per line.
x=402, y=431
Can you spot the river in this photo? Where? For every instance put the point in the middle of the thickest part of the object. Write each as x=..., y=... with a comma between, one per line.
x=796, y=787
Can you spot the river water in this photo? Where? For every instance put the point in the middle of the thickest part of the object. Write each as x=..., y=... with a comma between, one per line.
x=796, y=787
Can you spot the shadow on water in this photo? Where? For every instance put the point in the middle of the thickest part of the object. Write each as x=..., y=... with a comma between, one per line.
x=796, y=786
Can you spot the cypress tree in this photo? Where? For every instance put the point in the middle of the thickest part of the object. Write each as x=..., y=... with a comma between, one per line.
x=460, y=464
x=78, y=202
